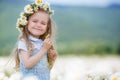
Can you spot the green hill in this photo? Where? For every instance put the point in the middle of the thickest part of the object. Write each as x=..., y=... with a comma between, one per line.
x=76, y=26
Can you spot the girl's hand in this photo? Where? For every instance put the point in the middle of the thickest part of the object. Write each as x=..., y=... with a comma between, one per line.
x=52, y=54
x=47, y=43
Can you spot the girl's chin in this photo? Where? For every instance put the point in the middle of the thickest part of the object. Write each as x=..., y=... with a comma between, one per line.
x=37, y=34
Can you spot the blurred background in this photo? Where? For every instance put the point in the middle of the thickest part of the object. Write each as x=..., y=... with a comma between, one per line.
x=84, y=27
x=89, y=30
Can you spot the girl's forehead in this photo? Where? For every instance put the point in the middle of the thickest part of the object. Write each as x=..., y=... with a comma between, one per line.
x=40, y=15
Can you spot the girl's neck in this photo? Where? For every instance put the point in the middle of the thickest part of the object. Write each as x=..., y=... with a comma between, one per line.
x=37, y=37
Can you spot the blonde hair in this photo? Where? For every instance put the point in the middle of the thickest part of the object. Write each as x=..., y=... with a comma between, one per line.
x=25, y=34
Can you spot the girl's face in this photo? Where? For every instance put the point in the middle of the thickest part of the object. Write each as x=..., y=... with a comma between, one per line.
x=37, y=23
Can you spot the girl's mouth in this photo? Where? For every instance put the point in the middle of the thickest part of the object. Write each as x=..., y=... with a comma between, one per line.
x=38, y=29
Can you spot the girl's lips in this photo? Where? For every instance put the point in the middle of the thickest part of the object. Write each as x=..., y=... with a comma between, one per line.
x=38, y=29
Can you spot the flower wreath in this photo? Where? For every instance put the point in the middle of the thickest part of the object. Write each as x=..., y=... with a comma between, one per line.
x=31, y=9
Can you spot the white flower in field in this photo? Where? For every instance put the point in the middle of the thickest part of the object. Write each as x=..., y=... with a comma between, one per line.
x=102, y=77
x=96, y=76
x=90, y=76
x=15, y=76
x=89, y=79
x=115, y=76
x=2, y=75
x=28, y=9
x=102, y=68
x=30, y=78
x=6, y=78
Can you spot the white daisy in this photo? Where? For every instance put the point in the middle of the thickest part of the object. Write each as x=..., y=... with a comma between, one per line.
x=17, y=25
x=23, y=18
x=28, y=9
x=19, y=29
x=15, y=76
x=115, y=76
x=22, y=14
x=22, y=21
x=19, y=21
x=38, y=2
x=25, y=22
x=2, y=75
x=36, y=8
x=51, y=11
x=46, y=6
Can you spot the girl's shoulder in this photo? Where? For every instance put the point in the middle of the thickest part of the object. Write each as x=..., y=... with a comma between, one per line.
x=22, y=44
x=21, y=39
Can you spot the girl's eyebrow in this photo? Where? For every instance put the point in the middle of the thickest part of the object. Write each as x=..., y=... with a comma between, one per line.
x=34, y=19
x=44, y=21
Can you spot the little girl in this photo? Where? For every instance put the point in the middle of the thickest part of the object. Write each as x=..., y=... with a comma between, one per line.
x=35, y=51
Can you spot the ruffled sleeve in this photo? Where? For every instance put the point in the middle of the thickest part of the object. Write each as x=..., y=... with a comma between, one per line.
x=22, y=45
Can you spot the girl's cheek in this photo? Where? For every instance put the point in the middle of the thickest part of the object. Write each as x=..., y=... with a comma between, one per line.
x=30, y=22
x=46, y=27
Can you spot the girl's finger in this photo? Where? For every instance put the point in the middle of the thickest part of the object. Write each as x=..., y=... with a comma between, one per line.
x=53, y=53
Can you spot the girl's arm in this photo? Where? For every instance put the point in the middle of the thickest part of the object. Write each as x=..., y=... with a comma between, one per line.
x=30, y=61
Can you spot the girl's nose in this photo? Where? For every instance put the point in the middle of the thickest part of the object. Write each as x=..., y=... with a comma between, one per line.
x=38, y=25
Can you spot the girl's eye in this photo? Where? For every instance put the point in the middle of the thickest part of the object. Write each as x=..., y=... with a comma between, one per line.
x=43, y=23
x=34, y=21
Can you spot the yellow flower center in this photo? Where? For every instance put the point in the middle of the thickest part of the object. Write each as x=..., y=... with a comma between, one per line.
x=1, y=78
x=39, y=1
x=36, y=8
x=23, y=18
x=19, y=21
x=44, y=7
x=28, y=9
x=115, y=78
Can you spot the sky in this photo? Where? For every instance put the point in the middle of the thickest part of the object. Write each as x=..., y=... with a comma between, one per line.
x=101, y=3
